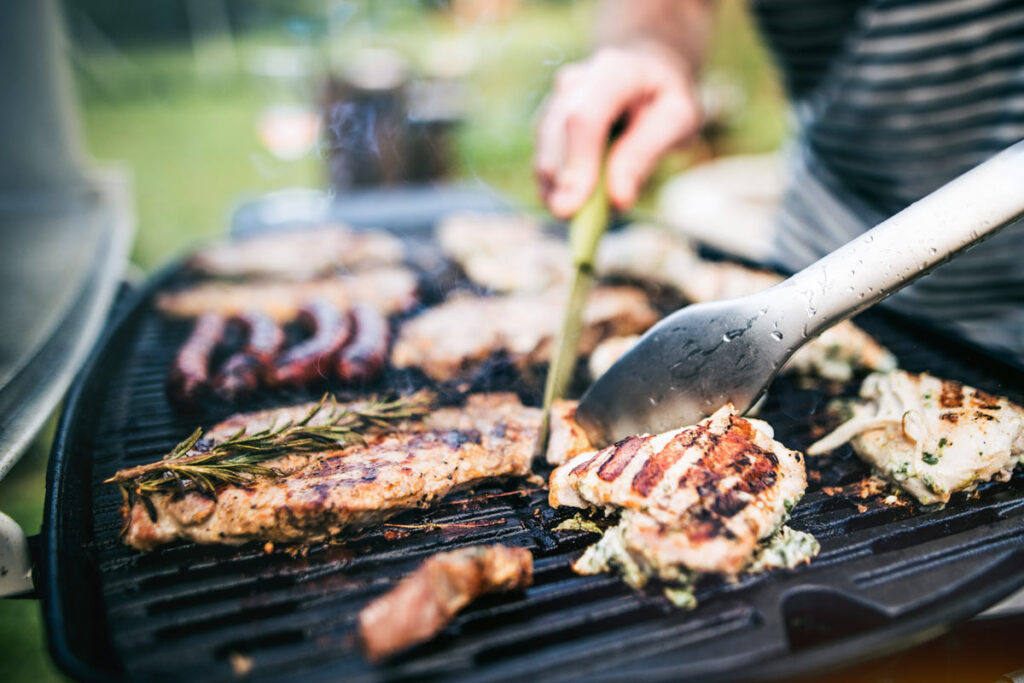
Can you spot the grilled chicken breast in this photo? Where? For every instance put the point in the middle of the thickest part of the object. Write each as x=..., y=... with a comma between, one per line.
x=455, y=338
x=930, y=436
x=423, y=602
x=322, y=494
x=697, y=499
x=299, y=255
x=389, y=290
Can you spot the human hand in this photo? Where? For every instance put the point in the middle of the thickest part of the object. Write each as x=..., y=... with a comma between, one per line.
x=647, y=86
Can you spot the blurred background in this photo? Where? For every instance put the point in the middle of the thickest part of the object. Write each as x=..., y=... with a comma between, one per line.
x=208, y=103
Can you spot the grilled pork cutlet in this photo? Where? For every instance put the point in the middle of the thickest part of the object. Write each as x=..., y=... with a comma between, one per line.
x=389, y=290
x=422, y=604
x=299, y=255
x=697, y=499
x=452, y=340
x=930, y=436
x=321, y=494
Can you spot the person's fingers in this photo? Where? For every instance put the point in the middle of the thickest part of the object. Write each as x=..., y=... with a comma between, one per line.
x=591, y=108
x=654, y=128
x=549, y=135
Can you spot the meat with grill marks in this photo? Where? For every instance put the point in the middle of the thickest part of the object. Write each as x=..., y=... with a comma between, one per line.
x=696, y=499
x=454, y=339
x=931, y=436
x=317, y=495
x=426, y=600
x=389, y=290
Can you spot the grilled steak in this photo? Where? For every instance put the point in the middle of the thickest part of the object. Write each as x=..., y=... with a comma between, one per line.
x=455, y=338
x=322, y=494
x=697, y=499
x=930, y=436
x=299, y=255
x=389, y=290
x=423, y=602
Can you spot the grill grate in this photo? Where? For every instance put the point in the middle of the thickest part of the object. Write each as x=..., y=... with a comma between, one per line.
x=188, y=611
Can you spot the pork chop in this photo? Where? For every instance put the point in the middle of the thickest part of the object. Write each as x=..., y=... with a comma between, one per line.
x=321, y=494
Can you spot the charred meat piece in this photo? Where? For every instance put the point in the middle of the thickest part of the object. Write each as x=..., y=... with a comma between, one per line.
x=317, y=495
x=422, y=604
x=190, y=372
x=299, y=255
x=313, y=359
x=389, y=290
x=697, y=499
x=364, y=356
x=455, y=338
x=930, y=436
x=243, y=372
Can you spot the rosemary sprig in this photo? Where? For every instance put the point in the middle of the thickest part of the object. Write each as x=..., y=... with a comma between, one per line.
x=237, y=460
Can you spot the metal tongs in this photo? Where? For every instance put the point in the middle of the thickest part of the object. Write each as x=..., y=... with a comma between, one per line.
x=706, y=355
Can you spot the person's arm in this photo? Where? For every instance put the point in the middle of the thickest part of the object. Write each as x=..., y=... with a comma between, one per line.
x=644, y=72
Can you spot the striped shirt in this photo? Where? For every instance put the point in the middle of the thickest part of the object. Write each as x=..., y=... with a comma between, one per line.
x=891, y=100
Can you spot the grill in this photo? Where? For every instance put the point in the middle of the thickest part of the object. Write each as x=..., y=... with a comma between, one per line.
x=885, y=574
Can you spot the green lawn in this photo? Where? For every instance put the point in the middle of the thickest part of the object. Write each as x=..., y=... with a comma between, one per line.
x=193, y=152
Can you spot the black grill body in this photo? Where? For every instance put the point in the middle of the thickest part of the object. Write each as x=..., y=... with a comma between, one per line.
x=885, y=574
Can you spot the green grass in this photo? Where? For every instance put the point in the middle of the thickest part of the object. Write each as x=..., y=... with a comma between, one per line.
x=194, y=153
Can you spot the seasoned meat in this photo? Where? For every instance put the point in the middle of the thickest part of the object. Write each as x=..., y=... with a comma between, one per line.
x=932, y=437
x=454, y=338
x=299, y=255
x=505, y=252
x=322, y=494
x=389, y=290
x=190, y=371
x=696, y=499
x=422, y=604
x=243, y=372
x=313, y=359
x=566, y=438
x=364, y=356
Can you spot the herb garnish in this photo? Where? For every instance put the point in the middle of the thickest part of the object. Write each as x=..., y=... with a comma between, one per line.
x=237, y=459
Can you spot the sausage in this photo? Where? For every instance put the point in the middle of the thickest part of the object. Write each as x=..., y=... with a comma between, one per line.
x=242, y=373
x=312, y=359
x=190, y=373
x=363, y=357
